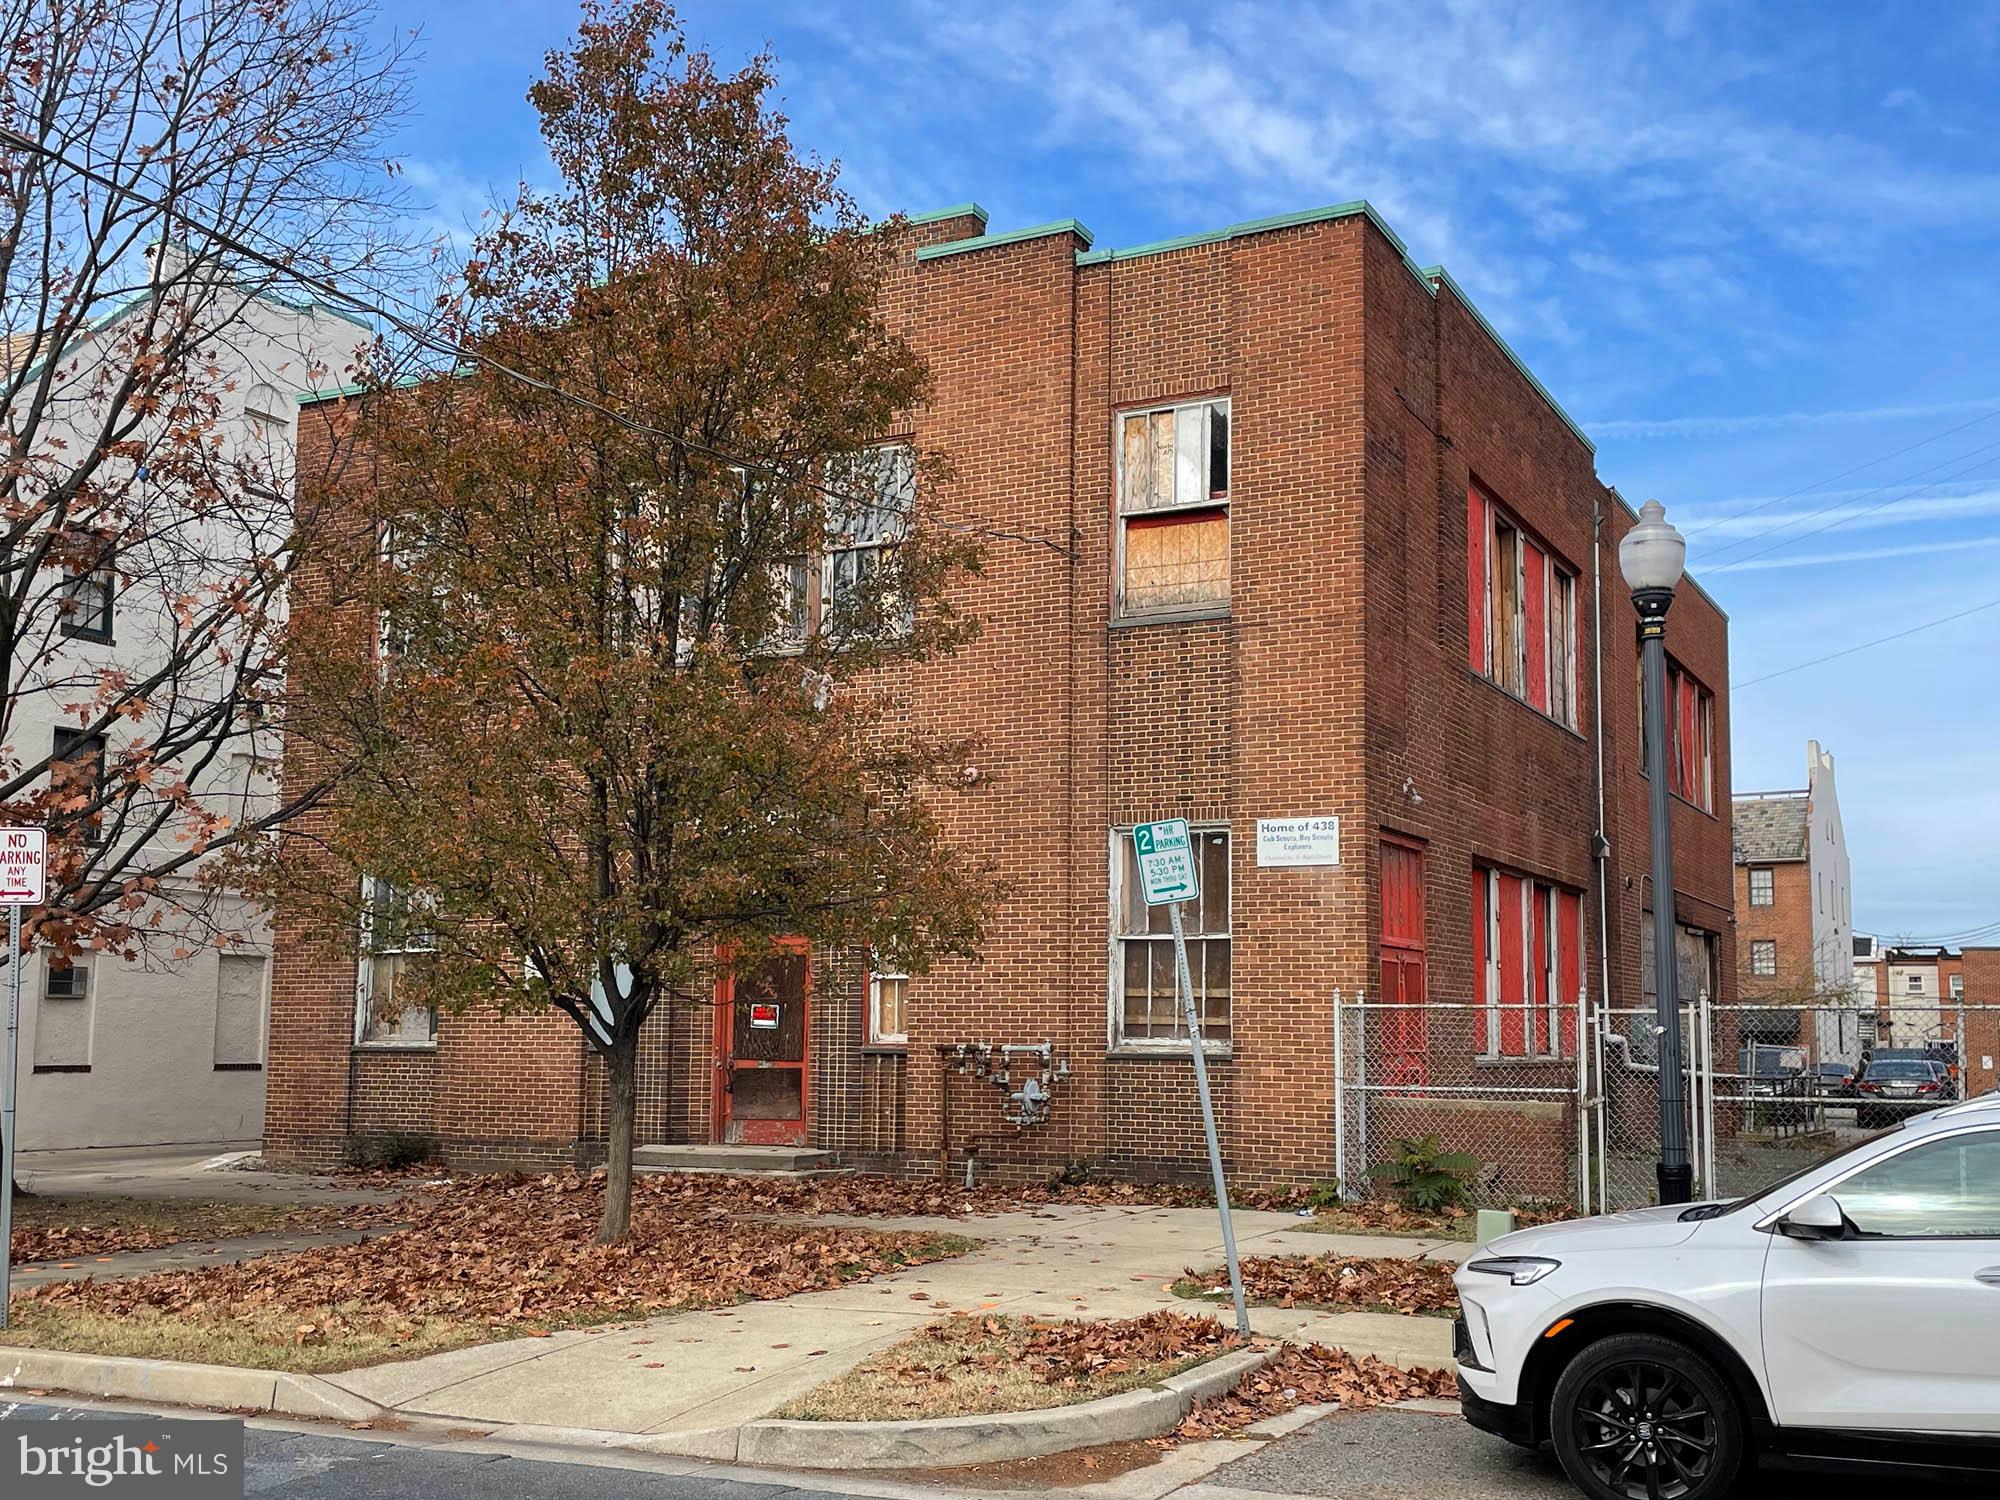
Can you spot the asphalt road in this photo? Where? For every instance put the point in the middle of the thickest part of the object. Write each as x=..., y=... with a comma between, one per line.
x=1408, y=1455
x=305, y=1466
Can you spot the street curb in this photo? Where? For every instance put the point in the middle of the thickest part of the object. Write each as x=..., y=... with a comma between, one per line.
x=172, y=1383
x=942, y=1442
x=946, y=1442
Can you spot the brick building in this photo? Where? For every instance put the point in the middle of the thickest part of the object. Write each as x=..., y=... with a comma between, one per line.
x=1299, y=537
x=1795, y=913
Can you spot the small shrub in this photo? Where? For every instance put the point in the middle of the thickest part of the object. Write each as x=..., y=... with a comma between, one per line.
x=392, y=1150
x=1427, y=1177
x=1323, y=1195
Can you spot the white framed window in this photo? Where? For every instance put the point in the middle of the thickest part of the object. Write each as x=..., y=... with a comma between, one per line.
x=1145, y=1004
x=72, y=983
x=1763, y=957
x=1173, y=508
x=888, y=1025
x=1914, y=983
x=88, y=599
x=1763, y=886
x=1958, y=986
x=396, y=941
x=868, y=516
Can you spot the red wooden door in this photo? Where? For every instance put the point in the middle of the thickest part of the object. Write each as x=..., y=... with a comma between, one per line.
x=763, y=1030
x=1405, y=1059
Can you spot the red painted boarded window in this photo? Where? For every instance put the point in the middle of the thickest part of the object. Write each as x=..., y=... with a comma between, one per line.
x=1520, y=611
x=1477, y=525
x=1527, y=962
x=1691, y=736
x=1535, y=604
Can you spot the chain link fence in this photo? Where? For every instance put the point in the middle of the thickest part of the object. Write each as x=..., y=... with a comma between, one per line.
x=1507, y=1091
x=1559, y=1104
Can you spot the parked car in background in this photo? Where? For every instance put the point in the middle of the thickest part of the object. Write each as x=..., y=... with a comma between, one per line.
x=1897, y=1087
x=1772, y=1070
x=1842, y=1316
x=1835, y=1080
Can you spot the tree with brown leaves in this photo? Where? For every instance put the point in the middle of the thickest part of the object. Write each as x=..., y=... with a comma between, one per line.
x=641, y=580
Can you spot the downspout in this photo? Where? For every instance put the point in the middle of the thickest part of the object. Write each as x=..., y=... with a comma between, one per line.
x=1600, y=852
x=1600, y=846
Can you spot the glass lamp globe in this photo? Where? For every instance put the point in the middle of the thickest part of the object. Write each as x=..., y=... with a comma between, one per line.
x=1652, y=555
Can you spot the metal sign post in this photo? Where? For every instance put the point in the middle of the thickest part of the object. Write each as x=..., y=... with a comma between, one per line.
x=1169, y=875
x=22, y=882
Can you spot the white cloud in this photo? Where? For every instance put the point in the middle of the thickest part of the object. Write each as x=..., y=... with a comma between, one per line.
x=1719, y=426
x=1863, y=554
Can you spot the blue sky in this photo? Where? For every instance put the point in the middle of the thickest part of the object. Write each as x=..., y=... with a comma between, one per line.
x=1749, y=248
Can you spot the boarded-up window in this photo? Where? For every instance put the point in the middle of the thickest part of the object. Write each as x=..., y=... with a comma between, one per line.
x=239, y=1010
x=1173, y=508
x=63, y=1020
x=886, y=993
x=1520, y=611
x=1690, y=736
x=1527, y=961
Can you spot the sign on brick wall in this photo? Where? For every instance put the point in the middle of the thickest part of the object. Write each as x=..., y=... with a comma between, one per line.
x=1298, y=841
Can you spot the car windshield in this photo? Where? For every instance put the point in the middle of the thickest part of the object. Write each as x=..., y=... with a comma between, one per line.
x=1716, y=1210
x=1901, y=1070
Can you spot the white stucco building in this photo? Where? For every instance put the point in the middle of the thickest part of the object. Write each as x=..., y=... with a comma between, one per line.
x=165, y=1048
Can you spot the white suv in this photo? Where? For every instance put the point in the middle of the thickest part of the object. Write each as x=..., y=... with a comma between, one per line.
x=1849, y=1315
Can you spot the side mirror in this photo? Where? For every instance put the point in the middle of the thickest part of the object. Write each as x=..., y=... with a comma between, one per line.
x=1819, y=1218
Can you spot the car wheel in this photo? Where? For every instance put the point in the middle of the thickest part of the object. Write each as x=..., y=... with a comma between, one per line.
x=1640, y=1417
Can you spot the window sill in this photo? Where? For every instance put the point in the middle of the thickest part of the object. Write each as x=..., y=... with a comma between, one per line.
x=1512, y=1059
x=885, y=1049
x=1122, y=621
x=1513, y=697
x=395, y=1046
x=1168, y=1052
x=89, y=637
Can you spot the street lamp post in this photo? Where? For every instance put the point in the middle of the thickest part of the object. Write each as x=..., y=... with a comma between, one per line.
x=1651, y=556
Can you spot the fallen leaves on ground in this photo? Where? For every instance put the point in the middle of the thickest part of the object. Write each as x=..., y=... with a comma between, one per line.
x=67, y=1228
x=970, y=1364
x=1362, y=1282
x=1067, y=1352
x=1308, y=1375
x=508, y=1253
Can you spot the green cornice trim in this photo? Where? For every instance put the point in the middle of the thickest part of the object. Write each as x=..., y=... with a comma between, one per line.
x=956, y=211
x=1360, y=206
x=1011, y=237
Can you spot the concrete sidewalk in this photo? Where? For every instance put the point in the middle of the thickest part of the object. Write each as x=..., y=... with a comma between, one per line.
x=206, y=1172
x=689, y=1378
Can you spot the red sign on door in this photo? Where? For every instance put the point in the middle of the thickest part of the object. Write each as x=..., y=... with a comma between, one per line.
x=763, y=1015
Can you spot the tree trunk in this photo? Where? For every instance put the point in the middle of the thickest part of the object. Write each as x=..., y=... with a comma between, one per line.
x=622, y=1088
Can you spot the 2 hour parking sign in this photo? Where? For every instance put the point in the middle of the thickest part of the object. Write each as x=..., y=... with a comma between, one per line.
x=1166, y=862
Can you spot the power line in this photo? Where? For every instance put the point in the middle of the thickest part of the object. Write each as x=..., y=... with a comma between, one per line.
x=1844, y=473
x=437, y=344
x=1845, y=504
x=1865, y=645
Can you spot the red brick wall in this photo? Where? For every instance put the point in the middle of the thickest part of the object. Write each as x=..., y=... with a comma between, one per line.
x=1363, y=403
x=1787, y=921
